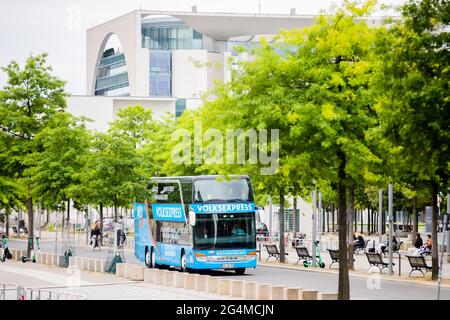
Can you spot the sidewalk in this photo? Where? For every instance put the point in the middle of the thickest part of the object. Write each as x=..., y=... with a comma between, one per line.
x=361, y=267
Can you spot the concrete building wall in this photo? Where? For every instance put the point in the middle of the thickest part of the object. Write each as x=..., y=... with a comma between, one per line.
x=128, y=29
x=189, y=73
x=97, y=108
x=103, y=109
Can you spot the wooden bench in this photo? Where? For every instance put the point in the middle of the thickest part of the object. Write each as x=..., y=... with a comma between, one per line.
x=418, y=263
x=334, y=255
x=375, y=260
x=303, y=254
x=272, y=250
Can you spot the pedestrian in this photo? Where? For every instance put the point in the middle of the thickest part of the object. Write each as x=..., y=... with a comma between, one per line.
x=419, y=242
x=95, y=236
x=426, y=248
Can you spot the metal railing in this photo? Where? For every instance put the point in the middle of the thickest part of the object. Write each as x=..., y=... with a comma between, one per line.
x=14, y=292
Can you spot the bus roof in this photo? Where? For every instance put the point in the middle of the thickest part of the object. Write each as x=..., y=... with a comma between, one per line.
x=192, y=178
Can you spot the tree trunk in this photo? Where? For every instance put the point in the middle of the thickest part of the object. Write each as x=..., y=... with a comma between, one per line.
x=344, y=285
x=281, y=217
x=415, y=220
x=30, y=226
x=8, y=213
x=369, y=219
x=362, y=221
x=115, y=207
x=101, y=222
x=332, y=218
x=68, y=220
x=294, y=215
x=383, y=227
x=328, y=220
x=323, y=219
x=434, y=226
x=351, y=210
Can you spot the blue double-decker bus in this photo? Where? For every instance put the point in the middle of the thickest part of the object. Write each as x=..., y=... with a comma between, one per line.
x=197, y=222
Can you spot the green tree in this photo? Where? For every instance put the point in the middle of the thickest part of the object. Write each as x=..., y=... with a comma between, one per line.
x=54, y=165
x=28, y=101
x=414, y=106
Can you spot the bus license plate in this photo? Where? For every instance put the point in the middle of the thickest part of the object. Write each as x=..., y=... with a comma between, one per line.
x=227, y=266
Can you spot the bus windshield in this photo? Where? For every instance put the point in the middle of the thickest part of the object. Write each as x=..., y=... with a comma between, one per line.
x=224, y=230
x=211, y=190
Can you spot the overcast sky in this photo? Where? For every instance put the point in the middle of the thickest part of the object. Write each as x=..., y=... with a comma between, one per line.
x=58, y=27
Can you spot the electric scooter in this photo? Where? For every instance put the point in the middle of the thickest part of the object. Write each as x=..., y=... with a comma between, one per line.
x=5, y=254
x=32, y=255
x=320, y=263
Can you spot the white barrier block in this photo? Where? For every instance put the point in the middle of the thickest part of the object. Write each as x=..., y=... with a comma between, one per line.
x=120, y=269
x=328, y=296
x=200, y=282
x=310, y=294
x=211, y=284
x=293, y=293
x=262, y=291
x=249, y=290
x=223, y=286
x=276, y=292
x=236, y=288
x=135, y=273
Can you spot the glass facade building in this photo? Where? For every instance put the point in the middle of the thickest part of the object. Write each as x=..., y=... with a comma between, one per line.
x=112, y=75
x=160, y=73
x=169, y=34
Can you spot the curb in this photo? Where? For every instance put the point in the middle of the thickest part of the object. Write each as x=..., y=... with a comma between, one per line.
x=353, y=274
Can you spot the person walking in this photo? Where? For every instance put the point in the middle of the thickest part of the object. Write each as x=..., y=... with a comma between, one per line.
x=95, y=236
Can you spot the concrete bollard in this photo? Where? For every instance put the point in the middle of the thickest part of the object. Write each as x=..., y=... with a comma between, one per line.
x=148, y=275
x=99, y=265
x=48, y=260
x=72, y=262
x=310, y=294
x=78, y=262
x=200, y=282
x=178, y=279
x=135, y=273
x=223, y=286
x=262, y=291
x=236, y=288
x=189, y=281
x=328, y=296
x=211, y=285
x=91, y=264
x=249, y=290
x=120, y=269
x=158, y=277
x=55, y=260
x=38, y=257
x=293, y=293
x=276, y=292
x=168, y=278
x=84, y=264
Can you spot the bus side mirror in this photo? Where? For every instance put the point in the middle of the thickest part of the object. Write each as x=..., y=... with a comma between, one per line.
x=192, y=218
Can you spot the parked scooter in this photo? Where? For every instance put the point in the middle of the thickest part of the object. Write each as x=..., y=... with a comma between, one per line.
x=32, y=257
x=320, y=263
x=5, y=254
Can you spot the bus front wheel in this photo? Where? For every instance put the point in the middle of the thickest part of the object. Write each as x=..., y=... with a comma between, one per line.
x=183, y=262
x=239, y=270
x=148, y=258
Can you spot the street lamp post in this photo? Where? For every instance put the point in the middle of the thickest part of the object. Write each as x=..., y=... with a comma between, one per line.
x=380, y=216
x=390, y=208
x=314, y=229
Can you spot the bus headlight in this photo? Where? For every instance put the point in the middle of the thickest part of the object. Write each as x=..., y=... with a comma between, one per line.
x=201, y=257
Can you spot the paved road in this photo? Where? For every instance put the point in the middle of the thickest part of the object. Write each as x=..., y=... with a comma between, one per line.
x=370, y=287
